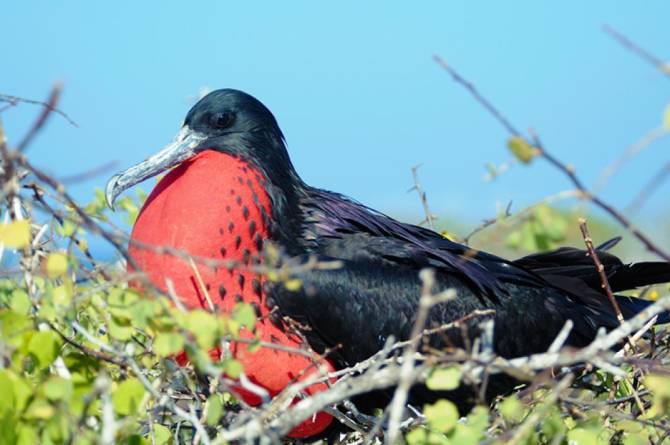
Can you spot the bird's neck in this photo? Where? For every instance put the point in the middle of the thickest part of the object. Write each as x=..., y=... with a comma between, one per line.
x=214, y=206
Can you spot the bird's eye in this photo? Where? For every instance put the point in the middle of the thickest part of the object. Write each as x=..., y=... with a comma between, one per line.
x=221, y=120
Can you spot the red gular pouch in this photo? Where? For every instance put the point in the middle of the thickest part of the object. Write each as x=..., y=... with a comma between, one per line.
x=215, y=206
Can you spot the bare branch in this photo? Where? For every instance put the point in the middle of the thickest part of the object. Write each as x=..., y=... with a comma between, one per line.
x=488, y=222
x=636, y=49
x=483, y=101
x=14, y=100
x=424, y=199
x=50, y=106
x=600, y=269
x=427, y=301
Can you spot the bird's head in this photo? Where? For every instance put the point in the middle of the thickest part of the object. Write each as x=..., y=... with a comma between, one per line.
x=226, y=120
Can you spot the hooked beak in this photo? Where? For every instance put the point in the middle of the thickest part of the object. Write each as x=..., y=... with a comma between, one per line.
x=183, y=147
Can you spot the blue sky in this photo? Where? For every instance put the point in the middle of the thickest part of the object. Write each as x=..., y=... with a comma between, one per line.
x=354, y=88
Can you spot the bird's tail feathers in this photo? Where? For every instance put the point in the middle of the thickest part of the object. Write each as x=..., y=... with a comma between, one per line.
x=573, y=270
x=636, y=275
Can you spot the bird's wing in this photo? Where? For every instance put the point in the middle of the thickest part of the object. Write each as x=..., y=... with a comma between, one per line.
x=359, y=305
x=341, y=228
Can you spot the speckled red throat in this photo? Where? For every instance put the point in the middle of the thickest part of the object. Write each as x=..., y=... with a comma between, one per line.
x=217, y=208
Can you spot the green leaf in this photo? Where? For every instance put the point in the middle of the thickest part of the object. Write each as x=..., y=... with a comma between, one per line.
x=39, y=409
x=233, y=368
x=120, y=330
x=168, y=344
x=473, y=430
x=479, y=418
x=66, y=229
x=444, y=379
x=142, y=313
x=416, y=437
x=14, y=326
x=62, y=295
x=8, y=428
x=27, y=435
x=204, y=326
x=6, y=391
x=553, y=424
x=513, y=240
x=245, y=315
x=161, y=435
x=199, y=357
x=214, y=409
x=492, y=170
x=56, y=265
x=22, y=391
x=512, y=409
x=127, y=397
x=441, y=416
x=16, y=234
x=582, y=436
x=521, y=149
x=659, y=385
x=466, y=435
x=20, y=302
x=636, y=437
x=44, y=346
x=666, y=118
x=136, y=439
x=57, y=388
x=120, y=304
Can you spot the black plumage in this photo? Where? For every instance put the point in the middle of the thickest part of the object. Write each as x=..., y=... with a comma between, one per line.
x=375, y=293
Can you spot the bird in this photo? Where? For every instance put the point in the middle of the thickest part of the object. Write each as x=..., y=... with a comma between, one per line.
x=230, y=191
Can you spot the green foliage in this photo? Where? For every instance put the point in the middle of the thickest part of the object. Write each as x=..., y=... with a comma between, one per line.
x=15, y=234
x=445, y=428
x=63, y=336
x=543, y=228
x=521, y=149
x=444, y=379
x=127, y=397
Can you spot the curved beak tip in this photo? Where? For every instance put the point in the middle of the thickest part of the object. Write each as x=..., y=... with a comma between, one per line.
x=110, y=191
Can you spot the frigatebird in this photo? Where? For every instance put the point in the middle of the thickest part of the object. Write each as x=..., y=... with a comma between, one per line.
x=232, y=190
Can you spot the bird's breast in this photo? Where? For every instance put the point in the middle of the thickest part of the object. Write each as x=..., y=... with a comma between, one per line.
x=213, y=206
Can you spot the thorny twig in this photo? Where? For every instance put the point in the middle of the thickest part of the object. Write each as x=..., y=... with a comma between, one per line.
x=588, y=241
x=424, y=199
x=49, y=107
x=488, y=222
x=14, y=100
